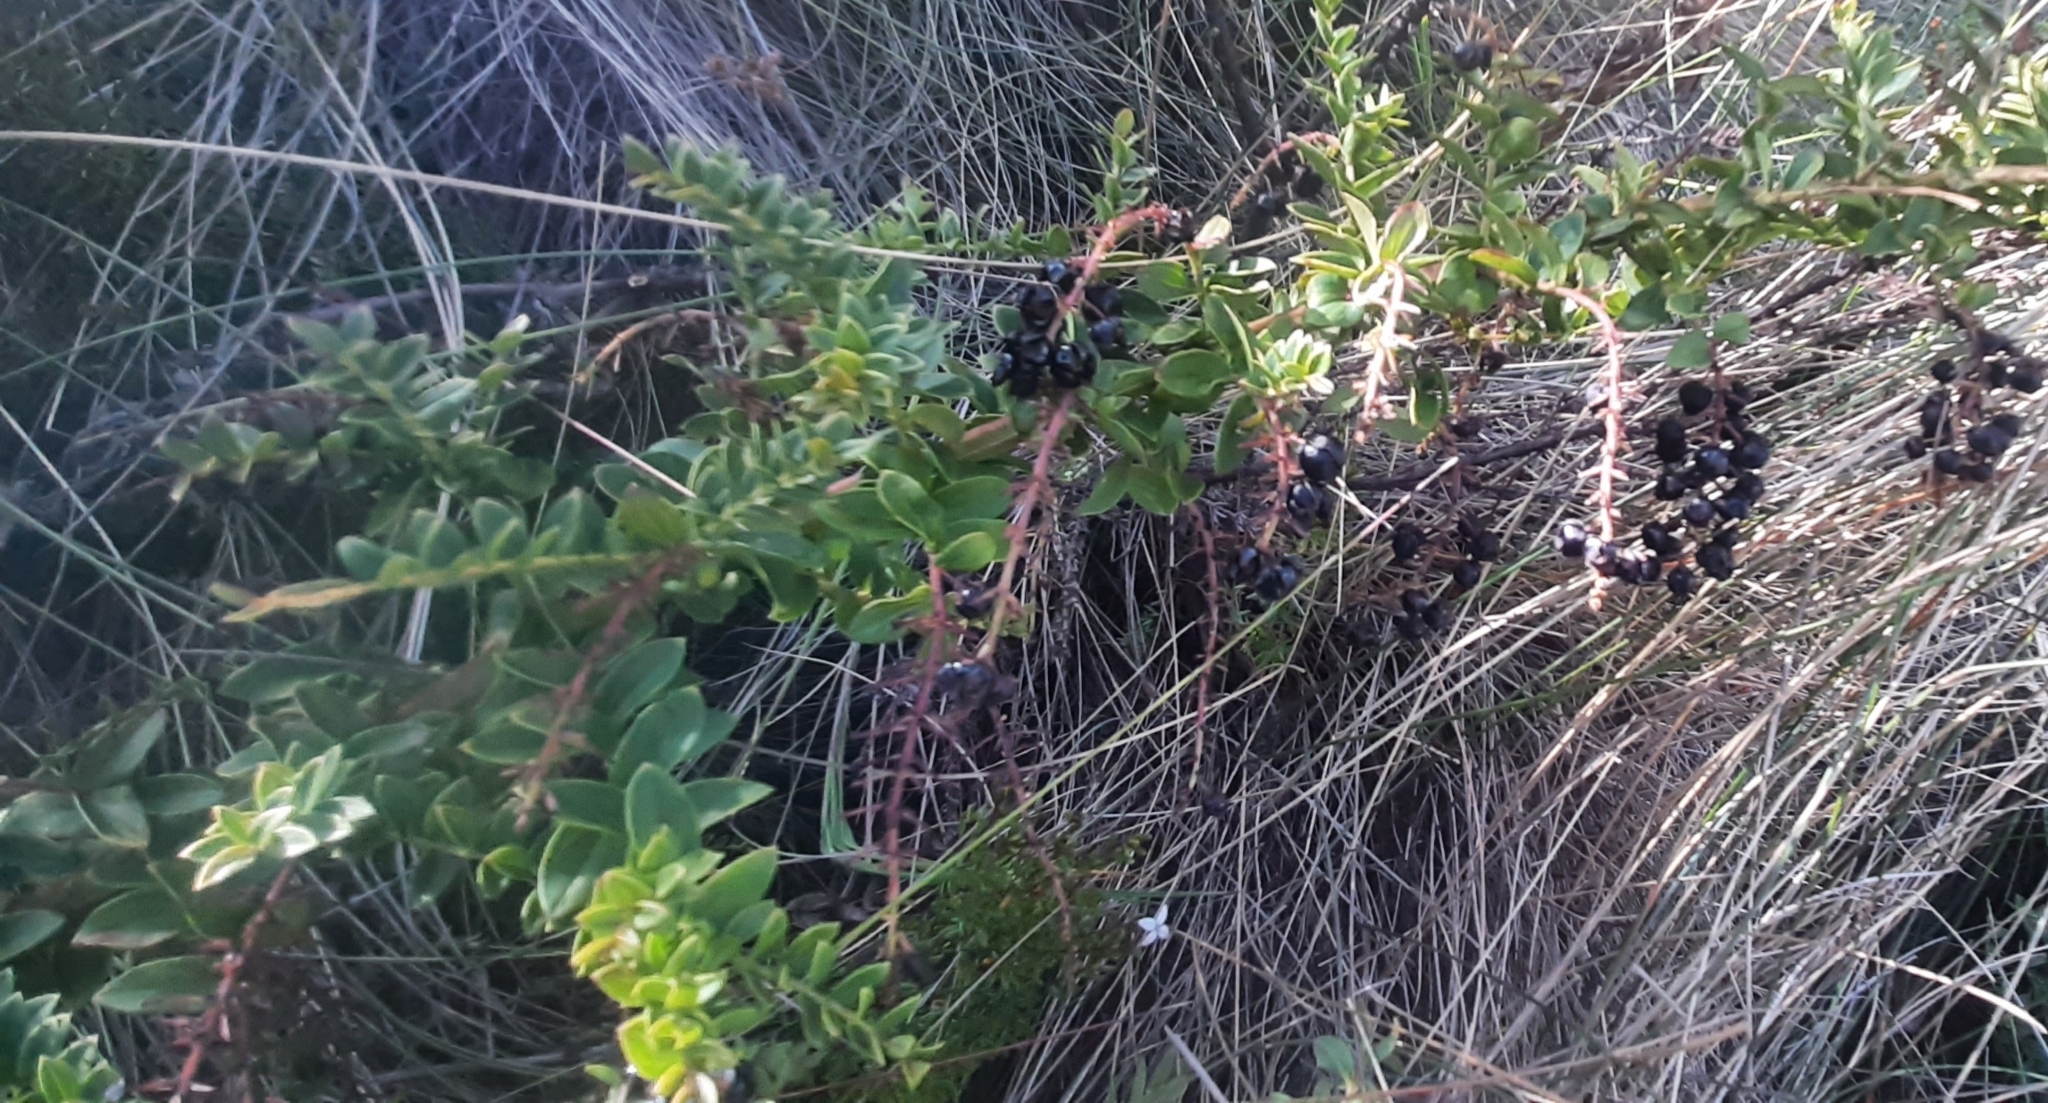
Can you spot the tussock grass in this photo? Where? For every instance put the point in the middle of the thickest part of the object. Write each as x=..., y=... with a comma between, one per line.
x=1781, y=843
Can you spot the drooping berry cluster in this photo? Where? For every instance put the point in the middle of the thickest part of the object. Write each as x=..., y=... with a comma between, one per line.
x=1043, y=351
x=1283, y=177
x=1322, y=463
x=1269, y=577
x=1718, y=480
x=1960, y=400
x=1470, y=543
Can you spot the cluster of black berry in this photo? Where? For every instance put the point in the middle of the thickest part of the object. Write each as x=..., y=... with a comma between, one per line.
x=1268, y=576
x=1285, y=176
x=1719, y=483
x=1031, y=358
x=1322, y=463
x=1476, y=544
x=1955, y=399
x=1420, y=616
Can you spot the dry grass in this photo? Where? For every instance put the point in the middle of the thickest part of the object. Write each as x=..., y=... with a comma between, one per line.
x=1717, y=852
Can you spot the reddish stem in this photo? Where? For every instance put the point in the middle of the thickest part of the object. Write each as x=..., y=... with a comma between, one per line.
x=1617, y=432
x=213, y=1023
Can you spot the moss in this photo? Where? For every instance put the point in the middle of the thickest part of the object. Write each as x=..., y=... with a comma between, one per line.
x=996, y=919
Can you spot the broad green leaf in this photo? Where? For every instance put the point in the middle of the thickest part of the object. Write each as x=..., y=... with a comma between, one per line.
x=134, y=920
x=876, y=621
x=431, y=876
x=24, y=930
x=674, y=730
x=1407, y=228
x=57, y=1082
x=655, y=800
x=590, y=803
x=115, y=815
x=274, y=678
x=168, y=986
x=717, y=799
x=1732, y=328
x=575, y=857
x=1165, y=281
x=741, y=884
x=507, y=744
x=114, y=755
x=177, y=794
x=1691, y=350
x=638, y=676
x=907, y=501
x=971, y=552
x=45, y=814
x=389, y=739
x=1514, y=269
x=1194, y=373
x=1109, y=490
x=331, y=710
x=983, y=496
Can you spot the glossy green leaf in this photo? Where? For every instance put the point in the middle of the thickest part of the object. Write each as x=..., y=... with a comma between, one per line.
x=907, y=501
x=134, y=920
x=115, y=754
x=1732, y=328
x=1691, y=350
x=168, y=986
x=24, y=930
x=177, y=794
x=274, y=678
x=655, y=800
x=574, y=859
x=741, y=884
x=971, y=552
x=115, y=814
x=1194, y=372
x=1109, y=490
x=639, y=676
x=717, y=799
x=675, y=730
x=591, y=803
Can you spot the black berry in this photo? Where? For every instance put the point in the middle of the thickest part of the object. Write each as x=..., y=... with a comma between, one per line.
x=1472, y=56
x=1915, y=448
x=1694, y=397
x=1414, y=601
x=1682, y=582
x=1989, y=440
x=1107, y=333
x=1039, y=303
x=1493, y=360
x=1728, y=537
x=1658, y=539
x=1752, y=453
x=2009, y=424
x=1732, y=507
x=963, y=680
x=1671, y=441
x=1305, y=502
x=1997, y=373
x=1698, y=512
x=1943, y=370
x=1434, y=617
x=1407, y=541
x=1268, y=203
x=1571, y=540
x=1671, y=485
x=1321, y=460
x=1107, y=300
x=1060, y=274
x=1717, y=561
x=1948, y=461
x=1712, y=462
x=2024, y=380
x=1467, y=573
x=1979, y=472
x=1748, y=484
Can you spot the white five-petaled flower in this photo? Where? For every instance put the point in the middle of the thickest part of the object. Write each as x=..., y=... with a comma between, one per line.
x=1155, y=928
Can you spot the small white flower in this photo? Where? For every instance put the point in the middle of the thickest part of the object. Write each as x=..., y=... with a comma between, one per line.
x=1155, y=928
